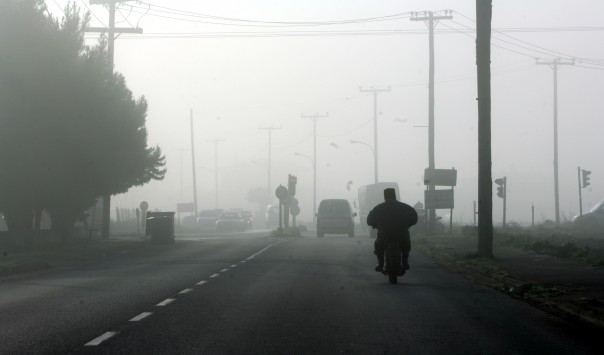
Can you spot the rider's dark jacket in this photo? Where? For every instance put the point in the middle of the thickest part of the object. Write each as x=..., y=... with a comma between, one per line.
x=392, y=219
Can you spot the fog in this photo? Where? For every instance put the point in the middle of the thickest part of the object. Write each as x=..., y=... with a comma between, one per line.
x=238, y=83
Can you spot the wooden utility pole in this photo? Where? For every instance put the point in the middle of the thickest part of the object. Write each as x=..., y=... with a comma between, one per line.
x=554, y=64
x=375, y=92
x=431, y=21
x=112, y=30
x=485, y=184
x=270, y=130
x=315, y=117
x=216, y=141
x=193, y=163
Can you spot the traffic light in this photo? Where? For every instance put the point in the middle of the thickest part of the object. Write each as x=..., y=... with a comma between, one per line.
x=585, y=176
x=500, y=182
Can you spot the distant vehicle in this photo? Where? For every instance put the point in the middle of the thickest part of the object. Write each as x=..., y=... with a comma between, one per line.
x=207, y=219
x=272, y=215
x=594, y=218
x=371, y=196
x=247, y=219
x=230, y=222
x=335, y=216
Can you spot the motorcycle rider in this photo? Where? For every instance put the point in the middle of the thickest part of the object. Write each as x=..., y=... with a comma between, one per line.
x=392, y=219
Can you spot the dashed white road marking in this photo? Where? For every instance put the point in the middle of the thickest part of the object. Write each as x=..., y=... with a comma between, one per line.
x=234, y=265
x=224, y=270
x=102, y=338
x=165, y=302
x=201, y=282
x=186, y=290
x=243, y=261
x=215, y=275
x=141, y=316
x=261, y=251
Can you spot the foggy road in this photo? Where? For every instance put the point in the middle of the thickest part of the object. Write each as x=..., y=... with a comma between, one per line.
x=252, y=294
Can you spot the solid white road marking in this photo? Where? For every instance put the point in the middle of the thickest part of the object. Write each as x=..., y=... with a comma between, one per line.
x=102, y=338
x=186, y=290
x=261, y=251
x=201, y=282
x=224, y=270
x=141, y=316
x=165, y=302
x=215, y=275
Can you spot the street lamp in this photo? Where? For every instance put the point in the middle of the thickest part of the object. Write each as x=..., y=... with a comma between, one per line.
x=375, y=162
x=314, y=183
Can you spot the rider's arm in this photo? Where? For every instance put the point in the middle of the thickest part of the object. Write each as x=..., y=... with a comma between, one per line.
x=371, y=219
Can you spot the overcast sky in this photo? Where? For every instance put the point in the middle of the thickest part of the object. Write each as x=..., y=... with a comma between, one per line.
x=250, y=67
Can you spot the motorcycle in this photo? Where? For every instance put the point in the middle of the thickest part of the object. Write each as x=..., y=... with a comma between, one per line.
x=393, y=267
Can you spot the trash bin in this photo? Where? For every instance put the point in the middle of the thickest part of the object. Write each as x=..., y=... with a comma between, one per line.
x=160, y=226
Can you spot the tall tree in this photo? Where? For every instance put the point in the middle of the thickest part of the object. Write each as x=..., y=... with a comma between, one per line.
x=70, y=129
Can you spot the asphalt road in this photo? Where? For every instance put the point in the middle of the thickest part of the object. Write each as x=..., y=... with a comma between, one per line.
x=248, y=293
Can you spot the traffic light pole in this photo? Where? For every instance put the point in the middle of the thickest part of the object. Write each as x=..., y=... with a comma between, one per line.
x=505, y=198
x=580, y=197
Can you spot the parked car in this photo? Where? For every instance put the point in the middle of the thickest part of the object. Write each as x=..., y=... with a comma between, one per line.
x=230, y=221
x=247, y=219
x=335, y=216
x=594, y=218
x=207, y=219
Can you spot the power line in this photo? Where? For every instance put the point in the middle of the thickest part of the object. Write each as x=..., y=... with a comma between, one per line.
x=551, y=52
x=92, y=13
x=262, y=23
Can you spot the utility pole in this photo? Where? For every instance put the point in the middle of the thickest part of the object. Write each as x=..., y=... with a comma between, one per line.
x=112, y=30
x=483, y=70
x=375, y=91
x=431, y=21
x=270, y=130
x=194, y=168
x=554, y=64
x=315, y=117
x=216, y=141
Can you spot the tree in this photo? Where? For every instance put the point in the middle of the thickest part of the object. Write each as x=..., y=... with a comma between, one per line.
x=70, y=129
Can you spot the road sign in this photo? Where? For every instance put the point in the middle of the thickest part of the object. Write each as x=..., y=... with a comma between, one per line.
x=293, y=203
x=294, y=210
x=144, y=206
x=440, y=177
x=281, y=192
x=438, y=199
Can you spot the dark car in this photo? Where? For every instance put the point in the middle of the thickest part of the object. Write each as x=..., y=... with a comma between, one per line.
x=230, y=221
x=335, y=217
x=246, y=219
x=207, y=219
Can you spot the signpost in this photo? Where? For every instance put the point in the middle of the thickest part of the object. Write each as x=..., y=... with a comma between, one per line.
x=281, y=193
x=144, y=206
x=440, y=199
